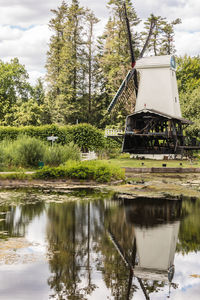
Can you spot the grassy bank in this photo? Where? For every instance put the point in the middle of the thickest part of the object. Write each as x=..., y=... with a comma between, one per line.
x=149, y=163
x=99, y=171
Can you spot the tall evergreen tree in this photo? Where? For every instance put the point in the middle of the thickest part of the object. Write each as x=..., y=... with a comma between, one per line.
x=167, y=43
x=115, y=60
x=162, y=38
x=91, y=70
x=54, y=63
x=64, y=62
x=156, y=36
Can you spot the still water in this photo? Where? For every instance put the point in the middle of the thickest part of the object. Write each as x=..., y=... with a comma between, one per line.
x=89, y=245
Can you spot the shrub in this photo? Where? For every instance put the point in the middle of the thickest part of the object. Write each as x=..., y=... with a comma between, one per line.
x=59, y=154
x=8, y=153
x=28, y=151
x=96, y=170
x=87, y=137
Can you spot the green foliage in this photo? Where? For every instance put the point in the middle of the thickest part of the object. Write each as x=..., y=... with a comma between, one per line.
x=41, y=132
x=93, y=170
x=188, y=73
x=28, y=151
x=190, y=104
x=188, y=76
x=59, y=154
x=7, y=153
x=85, y=136
x=15, y=176
x=13, y=86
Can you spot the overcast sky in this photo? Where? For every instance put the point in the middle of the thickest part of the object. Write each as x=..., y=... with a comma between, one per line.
x=24, y=27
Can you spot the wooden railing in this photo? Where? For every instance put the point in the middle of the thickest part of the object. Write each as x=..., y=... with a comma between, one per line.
x=91, y=155
x=113, y=132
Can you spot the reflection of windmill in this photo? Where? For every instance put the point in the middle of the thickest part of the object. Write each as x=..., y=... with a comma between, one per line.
x=156, y=229
x=156, y=125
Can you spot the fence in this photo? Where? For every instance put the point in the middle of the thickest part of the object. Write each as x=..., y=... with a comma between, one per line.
x=91, y=155
x=113, y=132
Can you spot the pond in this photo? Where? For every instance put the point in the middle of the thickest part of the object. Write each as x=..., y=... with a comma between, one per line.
x=89, y=245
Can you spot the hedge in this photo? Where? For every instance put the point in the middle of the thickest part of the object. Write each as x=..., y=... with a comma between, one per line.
x=85, y=136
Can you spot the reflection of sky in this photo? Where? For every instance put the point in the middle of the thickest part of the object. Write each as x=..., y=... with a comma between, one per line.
x=24, y=282
x=29, y=281
x=189, y=287
x=36, y=230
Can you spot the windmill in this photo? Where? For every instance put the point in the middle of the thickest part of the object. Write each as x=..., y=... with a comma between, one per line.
x=156, y=126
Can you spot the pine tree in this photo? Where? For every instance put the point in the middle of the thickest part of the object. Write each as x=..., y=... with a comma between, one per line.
x=162, y=37
x=155, y=26
x=116, y=61
x=53, y=65
x=64, y=63
x=91, y=21
x=168, y=46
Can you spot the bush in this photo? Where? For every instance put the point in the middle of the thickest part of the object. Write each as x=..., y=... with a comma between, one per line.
x=91, y=170
x=59, y=154
x=87, y=137
x=28, y=151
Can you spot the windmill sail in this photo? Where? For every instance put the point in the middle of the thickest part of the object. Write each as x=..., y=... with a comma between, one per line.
x=127, y=92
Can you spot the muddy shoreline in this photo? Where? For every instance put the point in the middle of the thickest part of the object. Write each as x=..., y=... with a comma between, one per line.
x=145, y=185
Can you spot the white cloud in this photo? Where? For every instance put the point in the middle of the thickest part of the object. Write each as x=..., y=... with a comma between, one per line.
x=30, y=46
x=25, y=13
x=187, y=43
x=24, y=29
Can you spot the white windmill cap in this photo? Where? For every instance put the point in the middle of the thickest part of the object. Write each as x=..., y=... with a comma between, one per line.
x=163, y=61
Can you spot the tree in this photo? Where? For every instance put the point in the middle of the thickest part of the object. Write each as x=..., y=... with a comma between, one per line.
x=188, y=77
x=14, y=86
x=38, y=92
x=64, y=62
x=54, y=63
x=167, y=42
x=153, y=25
x=188, y=73
x=91, y=70
x=161, y=41
x=115, y=59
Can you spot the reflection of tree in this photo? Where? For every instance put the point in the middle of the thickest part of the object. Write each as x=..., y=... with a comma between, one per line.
x=69, y=236
x=115, y=273
x=17, y=217
x=189, y=234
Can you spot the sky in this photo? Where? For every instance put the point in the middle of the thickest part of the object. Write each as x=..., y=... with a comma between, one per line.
x=24, y=31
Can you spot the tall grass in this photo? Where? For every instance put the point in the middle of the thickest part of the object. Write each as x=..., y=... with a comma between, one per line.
x=59, y=154
x=28, y=151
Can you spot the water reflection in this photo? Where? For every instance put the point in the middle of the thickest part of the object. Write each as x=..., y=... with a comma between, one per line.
x=148, y=241
x=69, y=234
x=106, y=249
